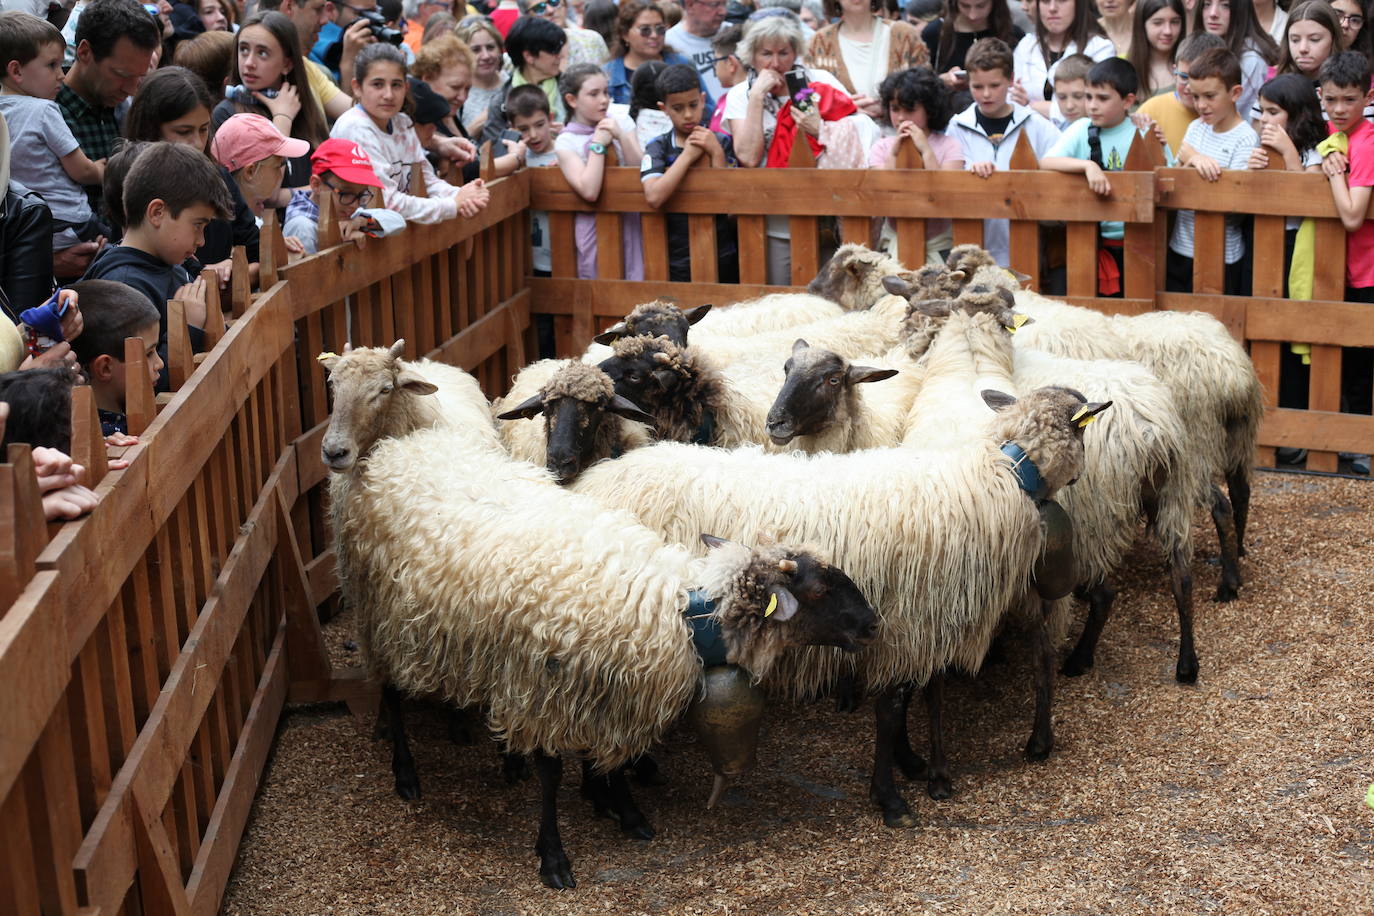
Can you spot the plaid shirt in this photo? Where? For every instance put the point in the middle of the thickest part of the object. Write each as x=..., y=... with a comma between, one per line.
x=95, y=130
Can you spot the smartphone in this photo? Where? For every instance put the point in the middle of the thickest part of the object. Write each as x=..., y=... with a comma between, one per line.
x=796, y=81
x=510, y=136
x=961, y=74
x=151, y=8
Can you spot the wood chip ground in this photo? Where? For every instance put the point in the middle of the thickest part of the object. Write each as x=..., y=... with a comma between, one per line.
x=1242, y=794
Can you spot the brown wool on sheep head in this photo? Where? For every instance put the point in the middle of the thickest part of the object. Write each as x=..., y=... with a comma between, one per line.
x=660, y=318
x=1048, y=424
x=376, y=396
x=648, y=369
x=820, y=390
x=853, y=275
x=969, y=258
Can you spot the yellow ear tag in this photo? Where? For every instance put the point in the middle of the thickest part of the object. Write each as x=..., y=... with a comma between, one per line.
x=1018, y=319
x=772, y=606
x=327, y=354
x=1083, y=423
x=1081, y=420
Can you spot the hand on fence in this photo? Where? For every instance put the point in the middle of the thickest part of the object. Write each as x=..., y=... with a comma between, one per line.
x=1097, y=179
x=193, y=294
x=119, y=440
x=983, y=169
x=294, y=246
x=54, y=357
x=472, y=198
x=353, y=230
x=222, y=270
x=457, y=149
x=605, y=131
x=1147, y=125
x=1335, y=163
x=1206, y=166
x=701, y=142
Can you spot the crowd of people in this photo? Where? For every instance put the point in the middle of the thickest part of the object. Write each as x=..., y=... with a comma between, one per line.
x=140, y=143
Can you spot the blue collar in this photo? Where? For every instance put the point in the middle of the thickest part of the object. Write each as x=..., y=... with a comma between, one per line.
x=706, y=432
x=705, y=625
x=1027, y=474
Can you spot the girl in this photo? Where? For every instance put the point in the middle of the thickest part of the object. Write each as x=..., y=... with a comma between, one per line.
x=386, y=134
x=173, y=104
x=961, y=23
x=640, y=29
x=581, y=152
x=1062, y=27
x=918, y=108
x=1313, y=34
x=649, y=121
x=269, y=58
x=861, y=49
x=489, y=51
x=217, y=15
x=1158, y=30
x=1118, y=24
x=1234, y=22
x=1356, y=33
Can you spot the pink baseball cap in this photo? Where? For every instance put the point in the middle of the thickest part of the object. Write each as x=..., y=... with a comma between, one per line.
x=248, y=138
x=346, y=159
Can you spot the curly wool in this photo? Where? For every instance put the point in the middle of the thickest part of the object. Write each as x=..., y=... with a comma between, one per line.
x=528, y=440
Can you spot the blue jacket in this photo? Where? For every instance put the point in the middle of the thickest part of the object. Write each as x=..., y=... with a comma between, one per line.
x=620, y=80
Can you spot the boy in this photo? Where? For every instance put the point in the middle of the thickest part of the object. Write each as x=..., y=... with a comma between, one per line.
x=668, y=157
x=728, y=69
x=113, y=312
x=988, y=129
x=1174, y=111
x=529, y=114
x=45, y=157
x=170, y=193
x=1099, y=144
x=342, y=169
x=1219, y=139
x=255, y=153
x=1070, y=90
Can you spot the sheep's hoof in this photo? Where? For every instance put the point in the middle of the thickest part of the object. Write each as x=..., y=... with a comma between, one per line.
x=640, y=830
x=1076, y=665
x=1227, y=592
x=902, y=819
x=1039, y=746
x=940, y=788
x=408, y=786
x=556, y=872
x=1186, y=670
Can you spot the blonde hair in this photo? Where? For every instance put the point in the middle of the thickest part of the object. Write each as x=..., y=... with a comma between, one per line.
x=787, y=27
x=441, y=53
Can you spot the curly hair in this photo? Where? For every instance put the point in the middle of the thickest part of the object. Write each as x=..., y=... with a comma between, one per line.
x=918, y=86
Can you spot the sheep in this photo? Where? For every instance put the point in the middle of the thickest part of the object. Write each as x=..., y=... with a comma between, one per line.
x=478, y=579
x=941, y=542
x=774, y=312
x=584, y=419
x=853, y=277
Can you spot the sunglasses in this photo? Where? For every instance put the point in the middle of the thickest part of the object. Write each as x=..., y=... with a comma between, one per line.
x=646, y=30
x=348, y=198
x=543, y=7
x=1180, y=76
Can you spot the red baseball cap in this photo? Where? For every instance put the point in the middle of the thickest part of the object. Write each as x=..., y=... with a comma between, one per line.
x=248, y=138
x=346, y=159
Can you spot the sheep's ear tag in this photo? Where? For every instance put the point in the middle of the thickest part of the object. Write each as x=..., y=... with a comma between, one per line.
x=327, y=355
x=1081, y=420
x=772, y=606
x=1017, y=320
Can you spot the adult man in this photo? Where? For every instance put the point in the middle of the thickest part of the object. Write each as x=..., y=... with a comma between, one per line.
x=348, y=34
x=308, y=16
x=692, y=36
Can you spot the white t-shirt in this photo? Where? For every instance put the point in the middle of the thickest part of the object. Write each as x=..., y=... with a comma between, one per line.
x=1231, y=150
x=698, y=50
x=539, y=219
x=867, y=62
x=39, y=138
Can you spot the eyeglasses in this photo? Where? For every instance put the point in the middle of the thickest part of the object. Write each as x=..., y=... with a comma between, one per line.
x=540, y=9
x=721, y=60
x=1180, y=76
x=348, y=198
x=704, y=4
x=646, y=30
x=1355, y=20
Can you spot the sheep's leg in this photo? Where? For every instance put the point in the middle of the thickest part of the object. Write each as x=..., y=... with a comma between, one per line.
x=646, y=771
x=514, y=768
x=1181, y=581
x=1238, y=485
x=1042, y=732
x=610, y=796
x=889, y=708
x=1224, y=518
x=938, y=784
x=457, y=725
x=402, y=763
x=1100, y=598
x=847, y=692
x=554, y=868
x=912, y=765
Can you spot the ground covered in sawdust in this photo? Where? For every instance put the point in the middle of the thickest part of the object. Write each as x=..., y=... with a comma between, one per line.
x=1242, y=794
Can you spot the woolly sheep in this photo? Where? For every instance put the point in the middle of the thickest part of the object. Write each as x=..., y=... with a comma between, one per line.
x=853, y=277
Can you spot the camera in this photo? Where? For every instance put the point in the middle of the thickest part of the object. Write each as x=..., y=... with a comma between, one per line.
x=379, y=28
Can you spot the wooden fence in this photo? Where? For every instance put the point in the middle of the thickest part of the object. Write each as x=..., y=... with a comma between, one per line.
x=146, y=650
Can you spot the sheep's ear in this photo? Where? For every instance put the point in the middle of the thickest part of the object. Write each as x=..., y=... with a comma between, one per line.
x=348, y=346
x=859, y=374
x=696, y=314
x=624, y=407
x=997, y=400
x=414, y=382
x=958, y=276
x=1021, y=278
x=782, y=604
x=1088, y=412
x=611, y=334
x=398, y=349
x=898, y=286
x=710, y=540
x=799, y=344
x=530, y=408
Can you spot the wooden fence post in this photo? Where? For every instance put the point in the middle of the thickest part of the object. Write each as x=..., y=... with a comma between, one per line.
x=179, y=367
x=327, y=231
x=140, y=405
x=911, y=233
x=488, y=159
x=272, y=248
x=1140, y=239
x=214, y=314
x=417, y=181
x=1024, y=235
x=804, y=230
x=23, y=534
x=1269, y=281
x=88, y=444
x=240, y=283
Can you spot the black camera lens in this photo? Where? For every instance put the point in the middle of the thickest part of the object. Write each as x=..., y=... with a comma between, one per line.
x=379, y=28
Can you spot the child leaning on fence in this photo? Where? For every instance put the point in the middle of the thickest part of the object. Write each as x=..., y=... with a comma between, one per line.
x=114, y=311
x=528, y=114
x=341, y=169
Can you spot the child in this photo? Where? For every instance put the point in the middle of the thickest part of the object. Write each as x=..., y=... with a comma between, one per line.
x=46, y=157
x=917, y=106
x=988, y=129
x=646, y=109
x=384, y=131
x=341, y=169
x=255, y=153
x=728, y=69
x=581, y=150
x=1219, y=139
x=1097, y=145
x=114, y=311
x=1174, y=111
x=1071, y=89
x=528, y=112
x=667, y=159
x=170, y=193
x=1154, y=45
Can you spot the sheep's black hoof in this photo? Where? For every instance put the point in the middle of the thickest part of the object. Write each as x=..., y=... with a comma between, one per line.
x=940, y=788
x=1186, y=670
x=1227, y=592
x=912, y=764
x=556, y=872
x=636, y=828
x=408, y=786
x=1039, y=747
x=896, y=814
x=514, y=768
x=1076, y=665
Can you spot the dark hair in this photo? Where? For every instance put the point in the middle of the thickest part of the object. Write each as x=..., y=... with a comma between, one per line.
x=1141, y=50
x=112, y=188
x=533, y=35
x=833, y=11
x=524, y=101
x=179, y=176
x=1082, y=27
x=22, y=35
x=917, y=86
x=309, y=124
x=999, y=24
x=599, y=16
x=1293, y=93
x=112, y=311
x=643, y=87
x=625, y=17
x=1345, y=70
x=1318, y=11
x=1116, y=73
x=390, y=9
x=1219, y=63
x=1194, y=43
x=210, y=56
x=1244, y=32
x=377, y=52
x=166, y=95
x=40, y=407
x=571, y=80
x=1364, y=38
x=671, y=79
x=727, y=40
x=990, y=54
x=104, y=22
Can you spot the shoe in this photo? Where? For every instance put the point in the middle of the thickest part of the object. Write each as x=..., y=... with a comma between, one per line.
x=1359, y=464
x=1289, y=455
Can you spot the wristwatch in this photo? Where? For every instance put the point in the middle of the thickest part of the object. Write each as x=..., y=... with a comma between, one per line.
x=598, y=148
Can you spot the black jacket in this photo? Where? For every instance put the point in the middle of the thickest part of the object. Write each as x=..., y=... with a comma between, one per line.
x=25, y=251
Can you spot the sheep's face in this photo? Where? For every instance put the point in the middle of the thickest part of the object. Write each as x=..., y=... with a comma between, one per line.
x=847, y=278
x=366, y=383
x=817, y=393
x=655, y=319
x=1048, y=423
x=647, y=371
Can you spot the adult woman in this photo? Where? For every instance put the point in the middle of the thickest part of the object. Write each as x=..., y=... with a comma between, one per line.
x=961, y=23
x=535, y=48
x=446, y=65
x=1234, y=22
x=1117, y=18
x=489, y=50
x=1158, y=30
x=599, y=16
x=584, y=45
x=1062, y=27
x=640, y=27
x=862, y=49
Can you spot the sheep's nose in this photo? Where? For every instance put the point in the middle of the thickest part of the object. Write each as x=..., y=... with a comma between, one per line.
x=566, y=469
x=334, y=454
